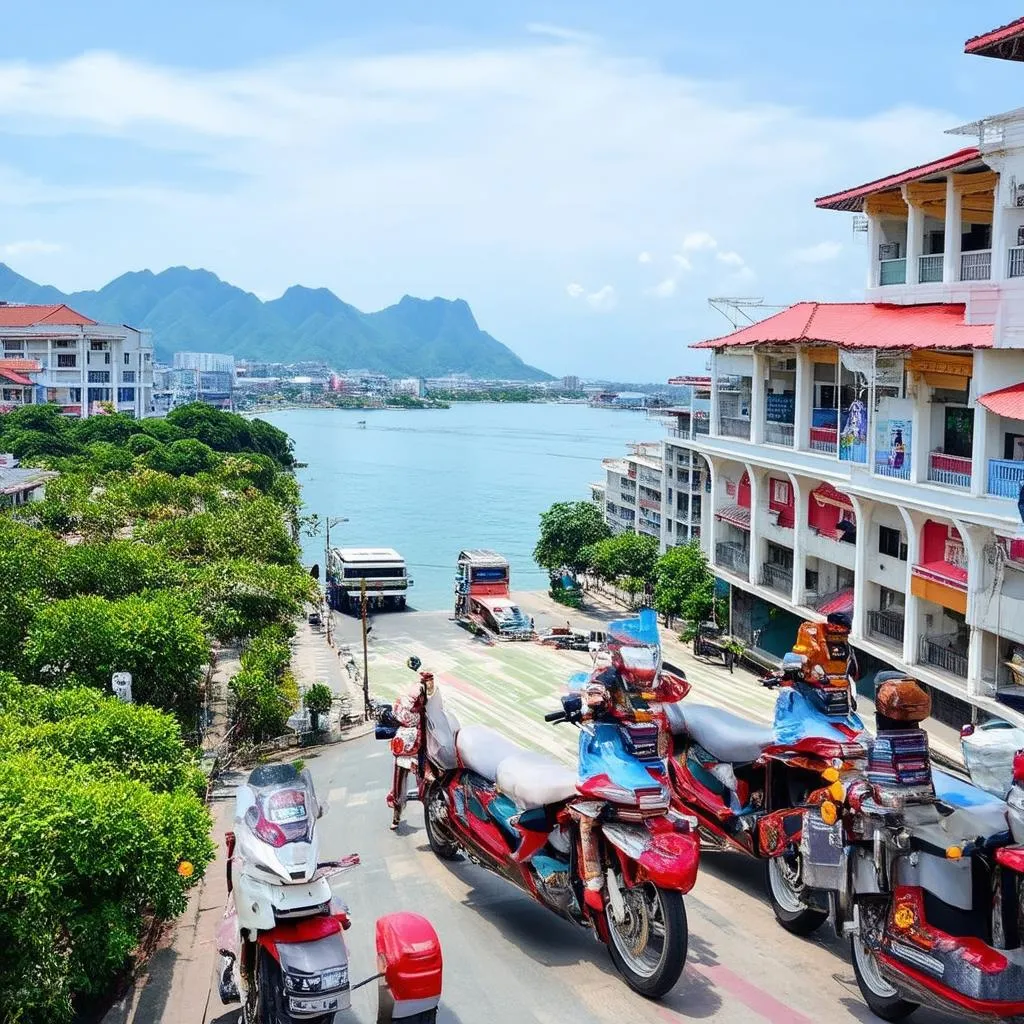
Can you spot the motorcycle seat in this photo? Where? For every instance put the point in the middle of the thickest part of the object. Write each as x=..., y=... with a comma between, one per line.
x=535, y=780
x=721, y=733
x=482, y=749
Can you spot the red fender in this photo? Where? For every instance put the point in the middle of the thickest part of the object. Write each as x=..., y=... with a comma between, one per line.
x=303, y=929
x=409, y=957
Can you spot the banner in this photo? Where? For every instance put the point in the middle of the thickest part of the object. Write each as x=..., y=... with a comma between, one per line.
x=893, y=435
x=853, y=441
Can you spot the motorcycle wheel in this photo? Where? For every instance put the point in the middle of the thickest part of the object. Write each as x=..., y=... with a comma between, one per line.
x=265, y=1000
x=784, y=892
x=882, y=998
x=434, y=811
x=649, y=946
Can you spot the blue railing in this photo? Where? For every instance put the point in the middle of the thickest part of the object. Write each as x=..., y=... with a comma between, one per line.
x=882, y=467
x=1005, y=478
x=892, y=272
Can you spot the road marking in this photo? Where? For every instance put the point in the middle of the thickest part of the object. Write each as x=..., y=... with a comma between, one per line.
x=337, y=795
x=762, y=1003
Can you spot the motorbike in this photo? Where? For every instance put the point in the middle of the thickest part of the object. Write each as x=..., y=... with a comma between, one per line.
x=601, y=848
x=283, y=955
x=927, y=890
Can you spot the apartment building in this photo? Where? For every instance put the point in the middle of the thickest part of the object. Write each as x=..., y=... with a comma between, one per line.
x=869, y=457
x=631, y=493
x=74, y=362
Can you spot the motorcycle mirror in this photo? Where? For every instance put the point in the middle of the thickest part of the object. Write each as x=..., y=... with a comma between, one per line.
x=414, y=663
x=792, y=662
x=572, y=703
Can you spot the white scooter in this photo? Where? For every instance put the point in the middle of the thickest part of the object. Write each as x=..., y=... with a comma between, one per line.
x=283, y=955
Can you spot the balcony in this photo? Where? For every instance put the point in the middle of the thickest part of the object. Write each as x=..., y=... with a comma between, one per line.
x=885, y=467
x=734, y=426
x=650, y=504
x=929, y=269
x=777, y=578
x=1015, y=263
x=976, y=266
x=948, y=653
x=629, y=499
x=951, y=470
x=702, y=426
x=825, y=439
x=892, y=271
x=779, y=433
x=734, y=557
x=887, y=626
x=1005, y=478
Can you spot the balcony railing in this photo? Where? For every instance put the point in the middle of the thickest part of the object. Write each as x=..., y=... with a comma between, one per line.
x=1005, y=478
x=735, y=557
x=1015, y=264
x=892, y=271
x=976, y=266
x=702, y=426
x=650, y=503
x=629, y=499
x=945, y=652
x=734, y=426
x=777, y=578
x=929, y=268
x=779, y=433
x=883, y=468
x=887, y=625
x=824, y=439
x=951, y=470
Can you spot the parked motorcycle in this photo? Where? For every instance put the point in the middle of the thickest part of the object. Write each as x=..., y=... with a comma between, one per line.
x=928, y=891
x=280, y=941
x=600, y=848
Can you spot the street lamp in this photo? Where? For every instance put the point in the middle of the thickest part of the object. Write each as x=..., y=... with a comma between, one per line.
x=335, y=521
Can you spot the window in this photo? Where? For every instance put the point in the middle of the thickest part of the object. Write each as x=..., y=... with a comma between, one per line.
x=780, y=492
x=958, y=436
x=127, y=376
x=96, y=346
x=811, y=580
x=127, y=359
x=99, y=395
x=890, y=542
x=66, y=360
x=126, y=394
x=99, y=376
x=74, y=394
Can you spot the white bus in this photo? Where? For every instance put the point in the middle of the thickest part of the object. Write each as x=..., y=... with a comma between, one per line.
x=387, y=579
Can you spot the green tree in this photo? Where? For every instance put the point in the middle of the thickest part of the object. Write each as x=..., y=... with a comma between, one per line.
x=260, y=710
x=566, y=529
x=186, y=457
x=318, y=700
x=142, y=444
x=685, y=584
x=625, y=555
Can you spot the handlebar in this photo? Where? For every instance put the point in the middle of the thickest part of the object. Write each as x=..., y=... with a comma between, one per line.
x=555, y=716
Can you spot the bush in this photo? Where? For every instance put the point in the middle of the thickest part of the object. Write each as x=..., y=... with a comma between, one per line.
x=261, y=710
x=186, y=457
x=142, y=444
x=318, y=700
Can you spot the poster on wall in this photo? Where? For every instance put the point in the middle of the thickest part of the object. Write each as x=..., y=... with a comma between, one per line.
x=893, y=436
x=853, y=441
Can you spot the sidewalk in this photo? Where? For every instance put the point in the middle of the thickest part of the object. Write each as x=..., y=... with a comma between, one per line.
x=314, y=661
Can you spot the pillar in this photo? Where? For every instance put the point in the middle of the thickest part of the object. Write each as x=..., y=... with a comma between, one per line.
x=874, y=235
x=975, y=663
x=863, y=509
x=915, y=238
x=800, y=492
x=913, y=524
x=713, y=426
x=709, y=537
x=953, y=228
x=921, y=431
x=804, y=398
x=1000, y=241
x=758, y=384
x=758, y=494
x=979, y=450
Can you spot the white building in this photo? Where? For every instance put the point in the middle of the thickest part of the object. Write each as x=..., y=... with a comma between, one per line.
x=632, y=490
x=82, y=363
x=868, y=457
x=411, y=386
x=208, y=362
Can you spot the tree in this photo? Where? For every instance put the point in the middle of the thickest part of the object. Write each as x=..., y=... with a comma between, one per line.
x=318, y=700
x=685, y=584
x=566, y=529
x=186, y=457
x=625, y=555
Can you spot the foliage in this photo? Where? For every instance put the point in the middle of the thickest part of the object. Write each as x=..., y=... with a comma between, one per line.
x=142, y=444
x=571, y=598
x=567, y=528
x=186, y=457
x=318, y=700
x=625, y=556
x=261, y=710
x=685, y=584
x=229, y=432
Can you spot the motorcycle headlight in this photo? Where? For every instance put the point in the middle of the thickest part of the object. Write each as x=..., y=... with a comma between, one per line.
x=336, y=978
x=303, y=982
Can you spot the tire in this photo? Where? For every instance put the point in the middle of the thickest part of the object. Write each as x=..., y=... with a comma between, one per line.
x=442, y=848
x=270, y=1003
x=663, y=974
x=787, y=903
x=883, y=1000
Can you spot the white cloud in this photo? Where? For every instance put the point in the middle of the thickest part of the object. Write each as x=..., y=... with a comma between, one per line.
x=574, y=290
x=730, y=259
x=28, y=248
x=682, y=262
x=644, y=257
x=665, y=289
x=697, y=240
x=603, y=299
x=823, y=252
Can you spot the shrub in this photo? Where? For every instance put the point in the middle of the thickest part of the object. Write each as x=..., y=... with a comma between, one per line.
x=318, y=700
x=260, y=708
x=142, y=444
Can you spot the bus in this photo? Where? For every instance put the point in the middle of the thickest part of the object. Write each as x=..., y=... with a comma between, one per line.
x=383, y=569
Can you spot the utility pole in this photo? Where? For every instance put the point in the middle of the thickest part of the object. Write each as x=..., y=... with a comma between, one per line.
x=327, y=581
x=366, y=676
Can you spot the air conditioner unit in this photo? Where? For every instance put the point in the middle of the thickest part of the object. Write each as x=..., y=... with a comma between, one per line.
x=889, y=250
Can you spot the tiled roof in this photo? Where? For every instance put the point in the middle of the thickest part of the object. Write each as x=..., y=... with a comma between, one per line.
x=20, y=365
x=17, y=479
x=862, y=325
x=1000, y=42
x=853, y=198
x=1008, y=402
x=735, y=514
x=14, y=378
x=30, y=316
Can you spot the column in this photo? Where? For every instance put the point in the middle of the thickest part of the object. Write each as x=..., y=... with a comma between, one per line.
x=863, y=509
x=804, y=397
x=713, y=426
x=800, y=493
x=979, y=450
x=709, y=537
x=874, y=234
x=915, y=236
x=1000, y=241
x=975, y=663
x=975, y=538
x=953, y=228
x=921, y=431
x=913, y=523
x=757, y=388
x=758, y=491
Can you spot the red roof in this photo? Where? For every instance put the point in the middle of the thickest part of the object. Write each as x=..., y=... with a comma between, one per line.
x=839, y=603
x=825, y=492
x=942, y=572
x=862, y=325
x=1008, y=402
x=21, y=365
x=14, y=378
x=1003, y=42
x=29, y=316
x=738, y=515
x=853, y=198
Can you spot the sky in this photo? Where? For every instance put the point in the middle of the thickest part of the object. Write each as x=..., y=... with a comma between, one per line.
x=585, y=175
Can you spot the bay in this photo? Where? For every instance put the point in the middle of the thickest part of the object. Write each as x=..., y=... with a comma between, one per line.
x=432, y=482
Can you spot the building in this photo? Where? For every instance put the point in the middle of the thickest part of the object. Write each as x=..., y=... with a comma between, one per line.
x=868, y=457
x=570, y=383
x=17, y=384
x=207, y=362
x=632, y=490
x=20, y=485
x=687, y=480
x=411, y=386
x=81, y=363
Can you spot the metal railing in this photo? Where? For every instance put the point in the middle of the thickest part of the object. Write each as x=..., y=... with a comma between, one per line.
x=883, y=468
x=825, y=439
x=733, y=556
x=888, y=625
x=929, y=268
x=734, y=426
x=779, y=433
x=1005, y=478
x=976, y=265
x=629, y=499
x=702, y=426
x=777, y=577
x=1015, y=263
x=945, y=652
x=952, y=470
x=892, y=271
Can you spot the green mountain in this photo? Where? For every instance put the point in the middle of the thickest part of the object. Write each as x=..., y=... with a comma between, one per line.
x=195, y=311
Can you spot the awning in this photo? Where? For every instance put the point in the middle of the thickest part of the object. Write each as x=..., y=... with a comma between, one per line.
x=826, y=494
x=840, y=603
x=1008, y=402
x=15, y=378
x=942, y=572
x=738, y=515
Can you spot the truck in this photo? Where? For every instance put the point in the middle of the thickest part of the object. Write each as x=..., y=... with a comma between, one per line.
x=383, y=569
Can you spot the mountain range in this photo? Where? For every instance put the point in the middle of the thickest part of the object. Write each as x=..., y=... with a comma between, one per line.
x=195, y=311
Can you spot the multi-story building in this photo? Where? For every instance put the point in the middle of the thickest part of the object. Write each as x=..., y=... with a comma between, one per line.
x=206, y=362
x=81, y=363
x=869, y=457
x=687, y=481
x=632, y=490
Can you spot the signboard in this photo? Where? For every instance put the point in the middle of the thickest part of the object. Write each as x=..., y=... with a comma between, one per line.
x=121, y=684
x=779, y=408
